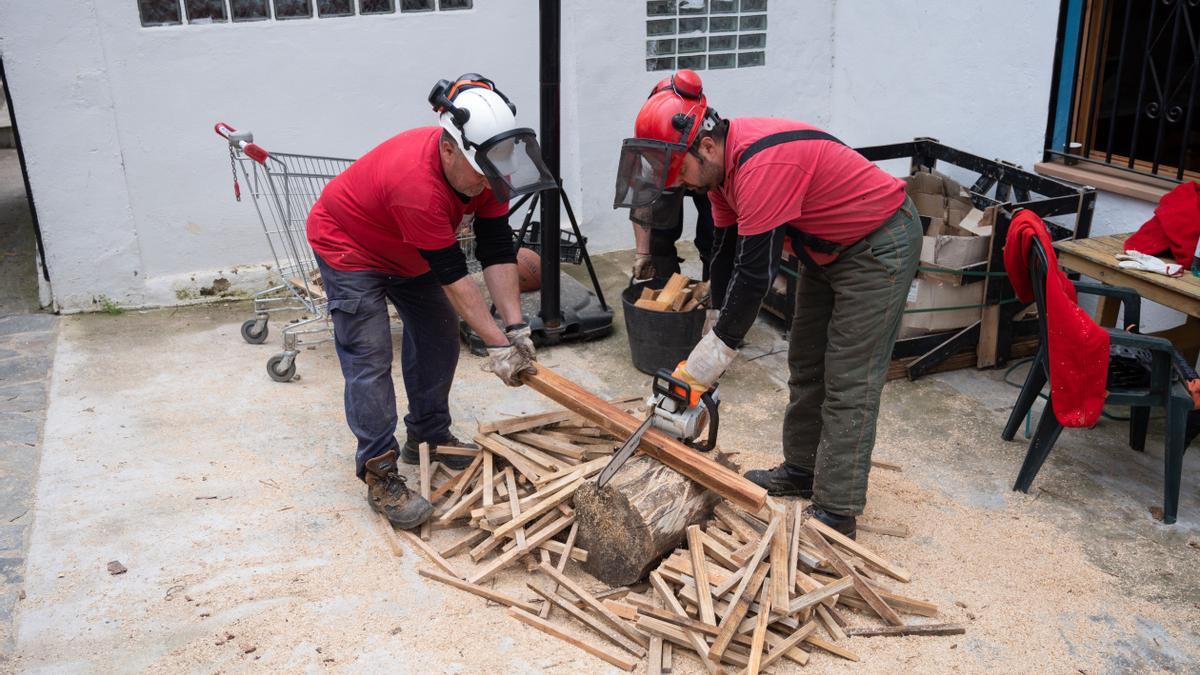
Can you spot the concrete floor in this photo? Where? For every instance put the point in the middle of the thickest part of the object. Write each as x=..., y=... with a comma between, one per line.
x=231, y=501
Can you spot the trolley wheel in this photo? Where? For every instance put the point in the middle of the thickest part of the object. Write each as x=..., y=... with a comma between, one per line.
x=252, y=336
x=281, y=374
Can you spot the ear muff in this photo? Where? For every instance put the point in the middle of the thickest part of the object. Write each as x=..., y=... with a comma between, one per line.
x=440, y=97
x=475, y=80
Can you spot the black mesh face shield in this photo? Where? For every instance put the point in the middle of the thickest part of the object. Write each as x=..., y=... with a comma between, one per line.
x=643, y=170
x=662, y=213
x=512, y=164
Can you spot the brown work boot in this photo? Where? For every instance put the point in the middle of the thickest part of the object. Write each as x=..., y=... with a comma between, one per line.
x=389, y=494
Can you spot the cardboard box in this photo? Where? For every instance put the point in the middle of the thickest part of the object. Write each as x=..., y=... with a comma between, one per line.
x=930, y=293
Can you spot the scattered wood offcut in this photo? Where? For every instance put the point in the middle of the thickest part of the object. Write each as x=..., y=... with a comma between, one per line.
x=679, y=295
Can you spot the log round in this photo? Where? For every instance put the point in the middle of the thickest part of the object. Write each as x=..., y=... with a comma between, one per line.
x=640, y=516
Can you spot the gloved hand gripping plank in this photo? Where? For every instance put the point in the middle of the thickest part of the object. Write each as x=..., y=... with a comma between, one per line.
x=696, y=466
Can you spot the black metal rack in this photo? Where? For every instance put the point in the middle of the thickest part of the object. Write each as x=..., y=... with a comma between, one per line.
x=1008, y=188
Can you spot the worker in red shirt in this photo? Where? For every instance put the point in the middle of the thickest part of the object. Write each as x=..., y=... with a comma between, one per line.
x=859, y=237
x=385, y=230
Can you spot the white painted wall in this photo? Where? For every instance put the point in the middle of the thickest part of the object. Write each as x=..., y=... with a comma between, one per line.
x=133, y=189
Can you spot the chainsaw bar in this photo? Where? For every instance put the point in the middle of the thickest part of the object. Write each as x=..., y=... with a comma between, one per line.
x=624, y=452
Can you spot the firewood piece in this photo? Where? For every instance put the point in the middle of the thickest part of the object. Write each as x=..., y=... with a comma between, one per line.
x=481, y=591
x=717, y=551
x=511, y=482
x=647, y=293
x=919, y=629
x=432, y=553
x=534, y=420
x=425, y=478
x=690, y=305
x=544, y=506
x=678, y=635
x=546, y=463
x=814, y=597
x=464, y=543
x=562, y=564
x=504, y=559
x=589, y=621
x=595, y=605
x=780, y=574
x=622, y=662
x=831, y=647
x=899, y=603
x=680, y=300
x=700, y=574
x=795, y=521
x=654, y=664
x=899, y=531
x=654, y=442
x=457, y=451
x=788, y=643
x=765, y=598
x=864, y=590
x=737, y=609
x=627, y=612
x=489, y=478
x=892, y=570
x=691, y=638
x=668, y=657
x=652, y=305
x=729, y=517
x=548, y=443
x=835, y=631
x=641, y=513
x=389, y=535
x=674, y=287
x=519, y=461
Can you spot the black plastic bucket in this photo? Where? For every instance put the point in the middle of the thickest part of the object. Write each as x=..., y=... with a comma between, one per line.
x=659, y=339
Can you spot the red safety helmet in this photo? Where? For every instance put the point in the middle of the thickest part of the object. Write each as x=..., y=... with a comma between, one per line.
x=665, y=129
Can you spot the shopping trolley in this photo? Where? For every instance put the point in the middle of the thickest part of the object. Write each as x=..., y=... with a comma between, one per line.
x=284, y=187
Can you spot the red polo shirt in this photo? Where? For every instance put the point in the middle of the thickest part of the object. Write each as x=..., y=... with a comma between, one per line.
x=816, y=186
x=389, y=204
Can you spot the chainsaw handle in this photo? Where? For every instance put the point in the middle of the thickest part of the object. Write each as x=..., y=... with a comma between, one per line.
x=714, y=421
x=678, y=390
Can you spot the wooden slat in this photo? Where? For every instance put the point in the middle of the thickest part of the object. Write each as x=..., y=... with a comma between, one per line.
x=868, y=594
x=562, y=565
x=504, y=559
x=780, y=585
x=595, y=605
x=589, y=621
x=691, y=638
x=700, y=468
x=813, y=597
x=925, y=629
x=874, y=559
x=428, y=550
x=760, y=628
x=481, y=591
x=700, y=574
x=533, y=620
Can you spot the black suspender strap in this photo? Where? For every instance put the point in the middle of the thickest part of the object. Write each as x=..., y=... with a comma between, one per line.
x=785, y=137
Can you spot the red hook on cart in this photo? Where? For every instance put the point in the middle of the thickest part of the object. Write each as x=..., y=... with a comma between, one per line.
x=242, y=141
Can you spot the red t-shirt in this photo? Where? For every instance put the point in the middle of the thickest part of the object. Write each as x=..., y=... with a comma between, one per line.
x=816, y=186
x=391, y=203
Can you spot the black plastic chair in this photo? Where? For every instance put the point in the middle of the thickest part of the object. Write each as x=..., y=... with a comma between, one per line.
x=1155, y=389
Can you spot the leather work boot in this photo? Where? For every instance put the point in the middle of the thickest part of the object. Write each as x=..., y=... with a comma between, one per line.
x=389, y=495
x=847, y=525
x=783, y=481
x=411, y=453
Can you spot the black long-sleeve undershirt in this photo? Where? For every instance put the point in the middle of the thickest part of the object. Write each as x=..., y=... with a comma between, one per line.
x=743, y=268
x=493, y=246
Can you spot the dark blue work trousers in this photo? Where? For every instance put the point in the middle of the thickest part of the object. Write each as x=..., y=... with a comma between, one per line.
x=428, y=357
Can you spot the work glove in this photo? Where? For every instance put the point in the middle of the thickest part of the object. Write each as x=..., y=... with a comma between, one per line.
x=643, y=267
x=1133, y=260
x=710, y=320
x=707, y=362
x=507, y=362
x=521, y=336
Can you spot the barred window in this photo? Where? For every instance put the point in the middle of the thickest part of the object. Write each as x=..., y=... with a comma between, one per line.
x=705, y=34
x=155, y=13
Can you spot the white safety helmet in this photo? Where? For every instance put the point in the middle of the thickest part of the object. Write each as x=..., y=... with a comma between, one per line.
x=483, y=123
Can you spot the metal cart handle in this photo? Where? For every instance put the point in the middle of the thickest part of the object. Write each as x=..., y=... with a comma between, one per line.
x=241, y=140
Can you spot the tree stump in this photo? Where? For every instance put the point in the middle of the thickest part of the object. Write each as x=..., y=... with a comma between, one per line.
x=639, y=517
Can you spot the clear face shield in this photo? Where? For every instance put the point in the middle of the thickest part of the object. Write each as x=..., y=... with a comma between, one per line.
x=642, y=182
x=512, y=164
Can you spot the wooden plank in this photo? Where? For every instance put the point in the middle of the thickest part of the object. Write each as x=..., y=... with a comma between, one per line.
x=864, y=590
x=654, y=661
x=925, y=629
x=458, y=546
x=897, y=602
x=549, y=443
x=547, y=463
x=678, y=635
x=794, y=545
x=622, y=662
x=562, y=565
x=831, y=625
x=519, y=461
x=510, y=482
x=428, y=550
x=717, y=551
x=481, y=591
x=699, y=467
x=595, y=605
x=792, y=641
x=700, y=574
x=987, y=349
x=425, y=478
x=1183, y=298
x=691, y=638
x=900, y=531
x=652, y=305
x=729, y=517
x=765, y=598
x=544, y=506
x=831, y=647
x=892, y=570
x=504, y=559
x=588, y=620
x=627, y=612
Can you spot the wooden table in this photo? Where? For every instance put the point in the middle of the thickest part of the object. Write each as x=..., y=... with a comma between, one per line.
x=1095, y=258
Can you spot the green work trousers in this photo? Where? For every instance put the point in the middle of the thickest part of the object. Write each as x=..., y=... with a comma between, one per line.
x=847, y=316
